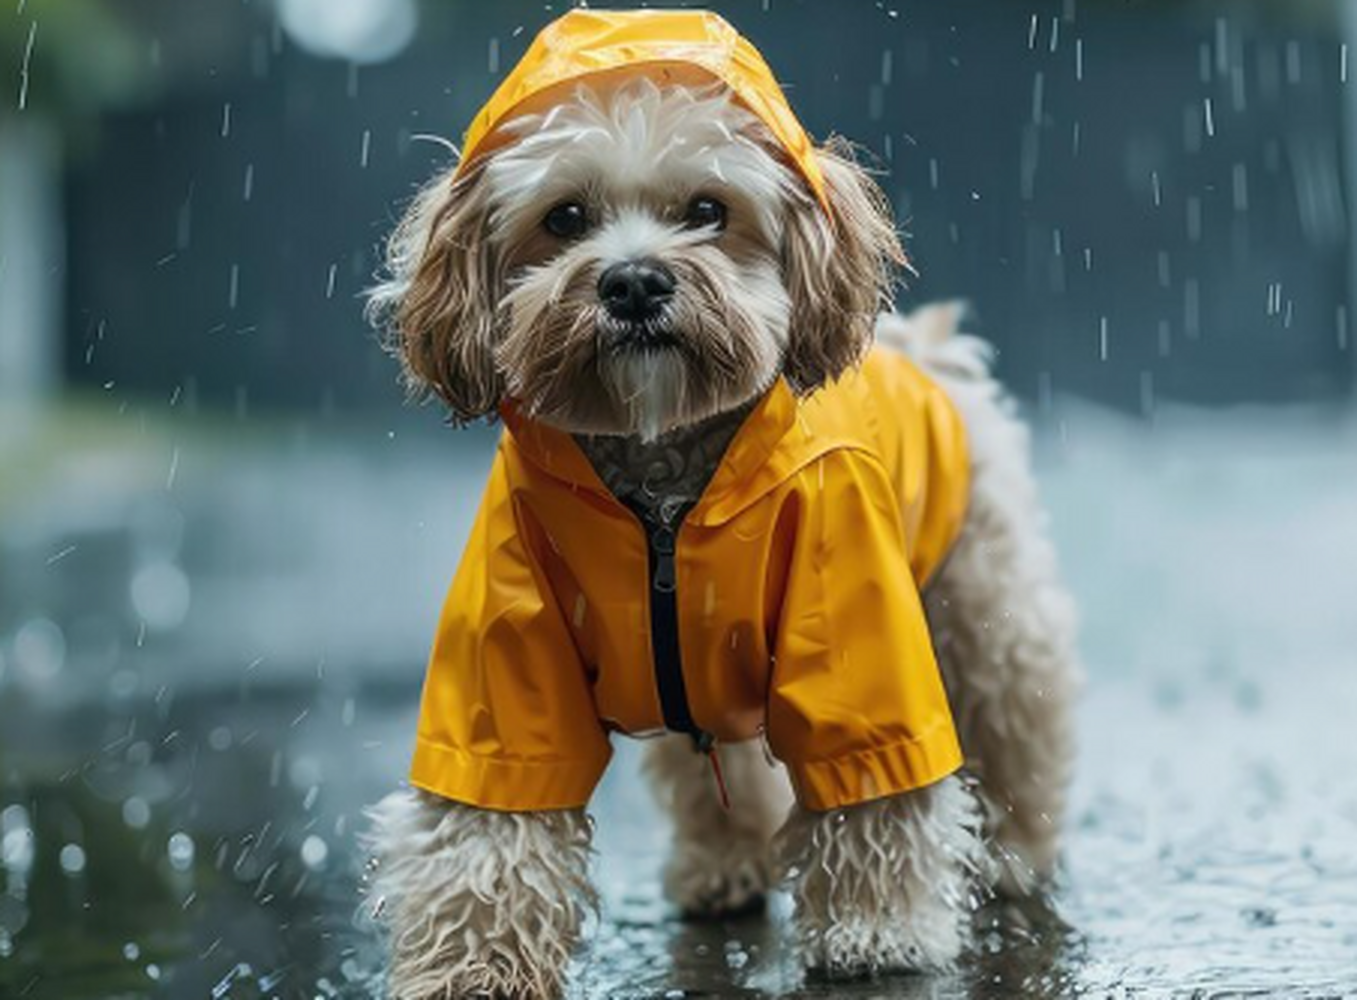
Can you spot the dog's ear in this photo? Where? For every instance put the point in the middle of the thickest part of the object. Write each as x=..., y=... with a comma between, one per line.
x=839, y=269
x=437, y=302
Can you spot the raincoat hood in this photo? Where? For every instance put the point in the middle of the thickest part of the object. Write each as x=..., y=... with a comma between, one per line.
x=677, y=46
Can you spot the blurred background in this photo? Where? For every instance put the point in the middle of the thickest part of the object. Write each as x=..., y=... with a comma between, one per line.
x=224, y=538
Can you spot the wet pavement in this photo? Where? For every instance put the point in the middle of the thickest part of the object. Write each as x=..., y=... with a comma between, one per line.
x=210, y=651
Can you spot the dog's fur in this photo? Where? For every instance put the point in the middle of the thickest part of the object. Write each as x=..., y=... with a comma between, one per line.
x=482, y=302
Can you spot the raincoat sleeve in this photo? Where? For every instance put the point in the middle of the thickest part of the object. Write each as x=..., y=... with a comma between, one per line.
x=857, y=709
x=507, y=719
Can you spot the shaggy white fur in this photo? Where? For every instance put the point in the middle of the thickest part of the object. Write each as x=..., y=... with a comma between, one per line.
x=1003, y=624
x=886, y=885
x=634, y=157
x=721, y=861
x=477, y=903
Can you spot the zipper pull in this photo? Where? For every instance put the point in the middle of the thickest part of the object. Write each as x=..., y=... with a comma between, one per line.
x=706, y=744
x=662, y=541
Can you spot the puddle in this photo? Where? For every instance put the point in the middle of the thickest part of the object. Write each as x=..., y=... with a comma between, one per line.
x=201, y=850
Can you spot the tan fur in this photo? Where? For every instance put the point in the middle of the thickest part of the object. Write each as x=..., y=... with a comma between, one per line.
x=549, y=354
x=479, y=303
x=438, y=305
x=840, y=272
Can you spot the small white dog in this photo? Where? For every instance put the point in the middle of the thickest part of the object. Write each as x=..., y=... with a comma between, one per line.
x=643, y=270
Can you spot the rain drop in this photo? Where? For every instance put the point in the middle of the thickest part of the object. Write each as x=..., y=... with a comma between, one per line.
x=72, y=859
x=136, y=813
x=181, y=851
x=28, y=58
x=16, y=849
x=39, y=649
x=314, y=852
x=161, y=595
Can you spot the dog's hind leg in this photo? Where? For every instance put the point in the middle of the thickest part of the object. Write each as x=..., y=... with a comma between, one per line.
x=720, y=861
x=1003, y=623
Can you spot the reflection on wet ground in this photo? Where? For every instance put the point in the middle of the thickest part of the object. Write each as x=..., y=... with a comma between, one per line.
x=184, y=827
x=216, y=851
x=223, y=865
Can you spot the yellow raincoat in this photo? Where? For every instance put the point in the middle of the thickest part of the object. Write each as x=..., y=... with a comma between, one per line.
x=789, y=604
x=796, y=580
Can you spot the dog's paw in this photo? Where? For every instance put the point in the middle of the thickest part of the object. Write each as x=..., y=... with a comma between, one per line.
x=467, y=963
x=481, y=979
x=705, y=885
x=856, y=947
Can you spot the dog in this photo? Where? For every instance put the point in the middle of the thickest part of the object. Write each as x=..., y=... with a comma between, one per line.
x=710, y=522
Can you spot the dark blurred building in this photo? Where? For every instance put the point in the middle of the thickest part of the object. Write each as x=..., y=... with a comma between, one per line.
x=1143, y=201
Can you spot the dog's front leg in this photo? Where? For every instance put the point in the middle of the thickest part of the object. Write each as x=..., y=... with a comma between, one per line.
x=478, y=903
x=888, y=885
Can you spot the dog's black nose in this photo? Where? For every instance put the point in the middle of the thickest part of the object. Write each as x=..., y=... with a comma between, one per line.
x=636, y=290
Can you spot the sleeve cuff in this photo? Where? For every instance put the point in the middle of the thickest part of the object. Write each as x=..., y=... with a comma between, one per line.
x=504, y=784
x=877, y=773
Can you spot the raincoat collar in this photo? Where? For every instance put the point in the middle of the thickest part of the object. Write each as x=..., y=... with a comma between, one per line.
x=746, y=471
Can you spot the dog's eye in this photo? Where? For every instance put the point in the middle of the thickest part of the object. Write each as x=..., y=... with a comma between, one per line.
x=703, y=212
x=567, y=220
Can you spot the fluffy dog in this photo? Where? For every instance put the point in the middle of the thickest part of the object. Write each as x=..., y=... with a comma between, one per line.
x=639, y=266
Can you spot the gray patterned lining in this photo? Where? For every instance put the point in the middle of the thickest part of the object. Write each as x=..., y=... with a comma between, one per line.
x=658, y=478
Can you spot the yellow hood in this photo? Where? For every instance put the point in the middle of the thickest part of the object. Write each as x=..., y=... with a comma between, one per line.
x=669, y=45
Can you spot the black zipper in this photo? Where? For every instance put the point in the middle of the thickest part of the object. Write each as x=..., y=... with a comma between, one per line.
x=662, y=530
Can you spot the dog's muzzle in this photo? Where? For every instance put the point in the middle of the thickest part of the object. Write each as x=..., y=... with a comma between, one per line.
x=634, y=295
x=636, y=291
